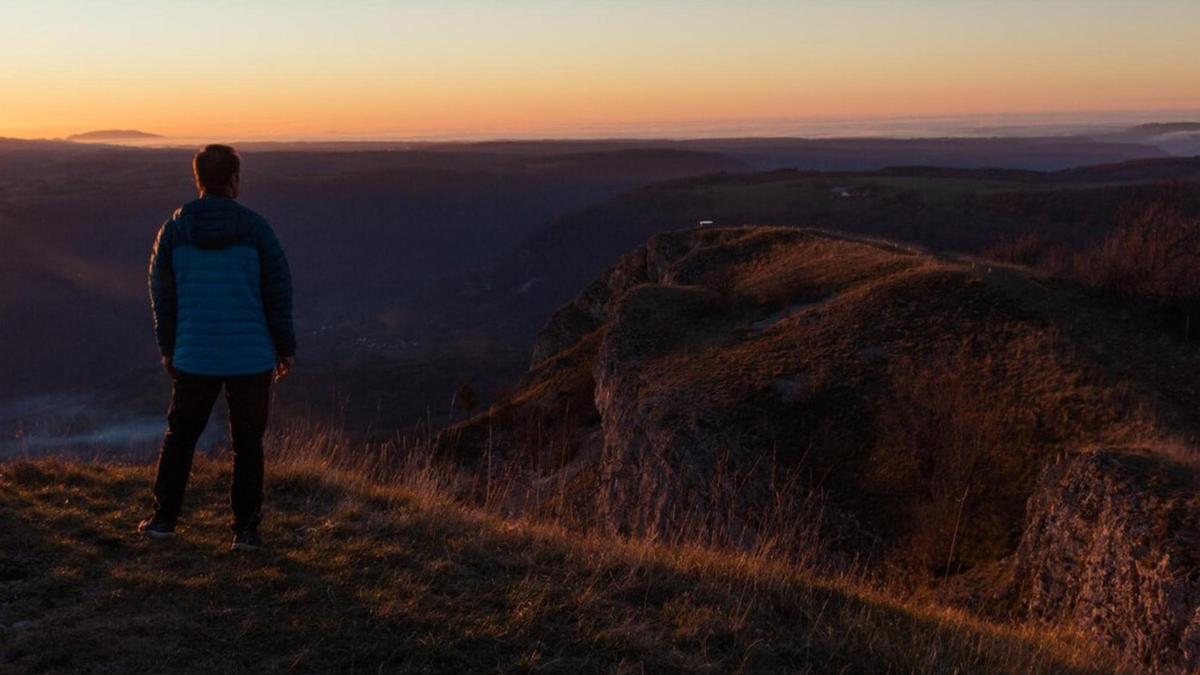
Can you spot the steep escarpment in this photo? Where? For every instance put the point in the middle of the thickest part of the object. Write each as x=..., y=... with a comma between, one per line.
x=839, y=400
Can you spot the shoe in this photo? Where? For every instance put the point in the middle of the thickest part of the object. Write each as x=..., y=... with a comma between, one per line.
x=247, y=539
x=157, y=528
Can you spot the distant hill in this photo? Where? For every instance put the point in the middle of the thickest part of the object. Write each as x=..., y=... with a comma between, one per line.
x=112, y=135
x=1165, y=127
x=863, y=154
x=1176, y=138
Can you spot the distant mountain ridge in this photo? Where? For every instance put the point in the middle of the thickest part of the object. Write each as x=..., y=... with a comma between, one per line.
x=1166, y=127
x=112, y=135
x=1176, y=138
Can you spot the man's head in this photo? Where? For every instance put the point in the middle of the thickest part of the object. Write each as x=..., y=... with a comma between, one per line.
x=218, y=170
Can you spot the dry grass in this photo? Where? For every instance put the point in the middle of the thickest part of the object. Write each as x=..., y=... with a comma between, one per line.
x=374, y=566
x=959, y=441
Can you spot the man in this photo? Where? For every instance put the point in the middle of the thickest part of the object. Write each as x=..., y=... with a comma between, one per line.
x=221, y=293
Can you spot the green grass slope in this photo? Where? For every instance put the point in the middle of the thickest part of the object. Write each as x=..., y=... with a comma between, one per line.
x=363, y=578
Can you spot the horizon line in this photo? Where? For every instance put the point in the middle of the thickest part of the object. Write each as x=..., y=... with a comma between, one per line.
x=682, y=130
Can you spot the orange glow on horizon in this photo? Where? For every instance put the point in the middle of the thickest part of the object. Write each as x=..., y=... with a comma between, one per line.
x=305, y=69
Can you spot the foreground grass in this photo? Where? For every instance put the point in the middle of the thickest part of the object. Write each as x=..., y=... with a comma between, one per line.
x=363, y=579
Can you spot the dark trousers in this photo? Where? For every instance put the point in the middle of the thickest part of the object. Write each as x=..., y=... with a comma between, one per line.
x=192, y=399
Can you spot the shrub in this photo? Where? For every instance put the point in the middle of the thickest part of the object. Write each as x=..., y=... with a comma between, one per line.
x=1152, y=256
x=1155, y=258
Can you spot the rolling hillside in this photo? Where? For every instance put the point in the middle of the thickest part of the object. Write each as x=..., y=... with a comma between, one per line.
x=437, y=263
x=956, y=210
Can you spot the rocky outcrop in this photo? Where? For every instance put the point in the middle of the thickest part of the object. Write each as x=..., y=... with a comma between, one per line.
x=659, y=451
x=850, y=400
x=593, y=306
x=693, y=449
x=1112, y=546
x=666, y=260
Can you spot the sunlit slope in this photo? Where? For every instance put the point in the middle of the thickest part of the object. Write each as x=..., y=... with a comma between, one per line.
x=360, y=578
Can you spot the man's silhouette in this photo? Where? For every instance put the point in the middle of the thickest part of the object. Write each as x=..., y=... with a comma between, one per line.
x=221, y=293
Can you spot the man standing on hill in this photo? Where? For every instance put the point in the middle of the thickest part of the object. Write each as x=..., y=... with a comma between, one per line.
x=221, y=293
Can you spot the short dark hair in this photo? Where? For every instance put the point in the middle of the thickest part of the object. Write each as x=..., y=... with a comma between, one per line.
x=215, y=166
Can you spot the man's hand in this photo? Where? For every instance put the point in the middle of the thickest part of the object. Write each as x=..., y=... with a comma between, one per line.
x=283, y=367
x=169, y=367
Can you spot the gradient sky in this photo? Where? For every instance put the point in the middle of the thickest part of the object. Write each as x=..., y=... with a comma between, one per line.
x=298, y=68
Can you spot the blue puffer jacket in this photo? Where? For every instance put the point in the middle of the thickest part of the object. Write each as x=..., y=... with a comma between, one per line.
x=221, y=290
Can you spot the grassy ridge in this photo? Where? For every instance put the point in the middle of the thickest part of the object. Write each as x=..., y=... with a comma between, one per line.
x=363, y=578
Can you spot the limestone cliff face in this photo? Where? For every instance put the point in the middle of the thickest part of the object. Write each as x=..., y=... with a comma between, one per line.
x=678, y=436
x=1112, y=545
x=661, y=444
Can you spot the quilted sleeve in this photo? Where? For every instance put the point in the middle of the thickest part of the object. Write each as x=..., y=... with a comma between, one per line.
x=162, y=288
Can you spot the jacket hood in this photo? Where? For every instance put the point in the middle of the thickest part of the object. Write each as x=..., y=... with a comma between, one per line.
x=213, y=222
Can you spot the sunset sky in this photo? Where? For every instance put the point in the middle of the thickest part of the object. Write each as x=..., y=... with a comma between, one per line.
x=298, y=68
